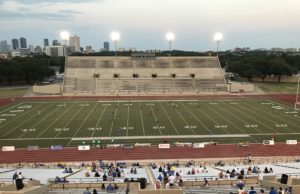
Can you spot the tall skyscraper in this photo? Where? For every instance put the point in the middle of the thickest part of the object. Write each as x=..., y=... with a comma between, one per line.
x=3, y=46
x=23, y=43
x=31, y=48
x=75, y=41
x=106, y=46
x=55, y=43
x=15, y=44
x=46, y=42
x=56, y=50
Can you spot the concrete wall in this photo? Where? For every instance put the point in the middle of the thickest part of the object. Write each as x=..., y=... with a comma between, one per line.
x=240, y=87
x=47, y=89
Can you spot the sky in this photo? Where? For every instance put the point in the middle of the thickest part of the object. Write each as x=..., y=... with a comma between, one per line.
x=143, y=24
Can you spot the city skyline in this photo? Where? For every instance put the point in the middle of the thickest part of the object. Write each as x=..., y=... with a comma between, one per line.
x=143, y=24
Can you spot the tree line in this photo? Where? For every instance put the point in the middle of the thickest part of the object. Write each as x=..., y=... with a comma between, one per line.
x=260, y=64
x=27, y=70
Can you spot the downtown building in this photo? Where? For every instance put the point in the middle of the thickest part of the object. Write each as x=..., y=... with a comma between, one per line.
x=74, y=44
x=56, y=51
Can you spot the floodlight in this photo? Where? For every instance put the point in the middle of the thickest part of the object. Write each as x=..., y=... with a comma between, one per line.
x=115, y=36
x=218, y=36
x=170, y=36
x=65, y=35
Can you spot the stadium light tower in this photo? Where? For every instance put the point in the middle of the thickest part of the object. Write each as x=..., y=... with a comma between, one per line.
x=170, y=38
x=218, y=38
x=65, y=35
x=115, y=36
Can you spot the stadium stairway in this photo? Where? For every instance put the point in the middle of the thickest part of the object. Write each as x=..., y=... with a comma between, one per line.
x=149, y=153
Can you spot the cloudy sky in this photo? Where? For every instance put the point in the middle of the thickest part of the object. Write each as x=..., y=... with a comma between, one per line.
x=144, y=23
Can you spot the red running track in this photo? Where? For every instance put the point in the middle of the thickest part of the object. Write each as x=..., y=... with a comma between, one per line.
x=149, y=153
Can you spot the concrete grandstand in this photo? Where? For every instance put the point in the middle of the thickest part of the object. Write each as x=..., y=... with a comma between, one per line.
x=142, y=75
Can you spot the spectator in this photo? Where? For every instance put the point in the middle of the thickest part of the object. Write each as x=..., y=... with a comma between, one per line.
x=104, y=177
x=205, y=182
x=271, y=170
x=109, y=188
x=15, y=176
x=66, y=170
x=193, y=171
x=116, y=187
x=266, y=170
x=70, y=170
x=160, y=177
x=262, y=191
x=87, y=174
x=57, y=180
x=272, y=191
x=103, y=186
x=280, y=191
x=158, y=184
x=171, y=180
x=134, y=171
x=241, y=190
x=240, y=184
x=221, y=175
x=252, y=191
x=95, y=191
x=87, y=191
x=97, y=174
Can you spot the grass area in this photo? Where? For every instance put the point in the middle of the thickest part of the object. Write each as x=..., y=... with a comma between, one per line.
x=13, y=92
x=277, y=88
x=69, y=123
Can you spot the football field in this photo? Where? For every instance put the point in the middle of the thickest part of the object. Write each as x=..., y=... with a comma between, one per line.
x=70, y=123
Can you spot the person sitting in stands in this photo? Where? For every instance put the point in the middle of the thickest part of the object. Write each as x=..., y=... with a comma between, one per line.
x=241, y=190
x=131, y=180
x=64, y=180
x=221, y=175
x=272, y=191
x=271, y=170
x=95, y=191
x=131, y=170
x=104, y=177
x=66, y=170
x=97, y=174
x=266, y=170
x=160, y=169
x=189, y=172
x=109, y=188
x=57, y=179
x=160, y=177
x=103, y=186
x=252, y=191
x=240, y=184
x=193, y=171
x=116, y=187
x=87, y=174
x=70, y=170
x=134, y=171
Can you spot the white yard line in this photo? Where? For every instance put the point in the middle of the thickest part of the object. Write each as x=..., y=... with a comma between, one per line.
x=48, y=114
x=113, y=123
x=243, y=113
x=169, y=118
x=53, y=122
x=266, y=118
x=142, y=119
x=221, y=115
x=85, y=119
x=279, y=118
x=21, y=123
x=216, y=123
x=11, y=107
x=157, y=123
x=181, y=116
x=99, y=120
x=196, y=117
x=127, y=121
x=69, y=120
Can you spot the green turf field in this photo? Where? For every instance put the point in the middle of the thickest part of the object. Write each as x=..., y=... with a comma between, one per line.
x=69, y=123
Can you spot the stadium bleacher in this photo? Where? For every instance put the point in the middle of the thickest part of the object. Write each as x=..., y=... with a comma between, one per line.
x=98, y=75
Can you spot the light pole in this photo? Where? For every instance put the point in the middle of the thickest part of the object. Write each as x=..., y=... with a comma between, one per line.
x=170, y=38
x=115, y=36
x=218, y=38
x=65, y=35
